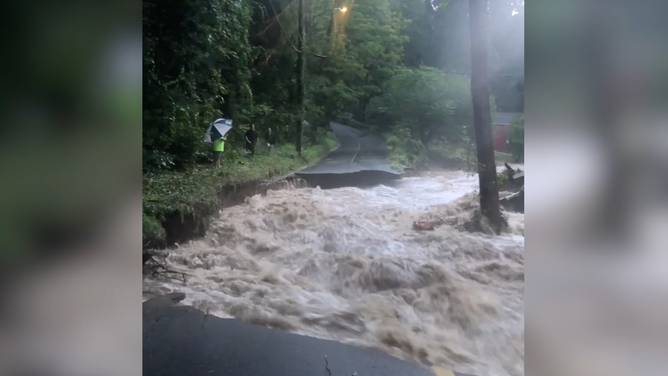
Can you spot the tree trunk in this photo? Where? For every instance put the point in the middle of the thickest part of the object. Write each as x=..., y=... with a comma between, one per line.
x=300, y=77
x=482, y=122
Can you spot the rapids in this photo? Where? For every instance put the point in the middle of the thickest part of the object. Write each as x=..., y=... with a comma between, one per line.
x=345, y=264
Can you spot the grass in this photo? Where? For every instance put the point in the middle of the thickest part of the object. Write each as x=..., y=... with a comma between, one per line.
x=195, y=192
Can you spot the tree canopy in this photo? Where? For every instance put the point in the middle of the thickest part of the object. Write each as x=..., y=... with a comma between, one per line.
x=382, y=64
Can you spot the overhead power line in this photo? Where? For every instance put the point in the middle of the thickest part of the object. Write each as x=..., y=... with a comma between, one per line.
x=287, y=37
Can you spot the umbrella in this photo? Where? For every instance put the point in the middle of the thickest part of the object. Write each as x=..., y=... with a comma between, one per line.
x=217, y=129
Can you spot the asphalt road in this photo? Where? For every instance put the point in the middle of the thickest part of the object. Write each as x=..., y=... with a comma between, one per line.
x=348, y=163
x=358, y=152
x=180, y=341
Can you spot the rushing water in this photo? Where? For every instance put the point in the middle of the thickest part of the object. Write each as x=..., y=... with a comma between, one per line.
x=345, y=264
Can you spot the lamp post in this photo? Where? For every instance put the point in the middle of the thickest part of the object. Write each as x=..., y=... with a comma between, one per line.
x=300, y=70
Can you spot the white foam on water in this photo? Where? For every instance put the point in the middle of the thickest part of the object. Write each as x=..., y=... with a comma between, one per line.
x=345, y=264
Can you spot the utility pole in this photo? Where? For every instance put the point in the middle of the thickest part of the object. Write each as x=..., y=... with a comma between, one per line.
x=482, y=118
x=300, y=77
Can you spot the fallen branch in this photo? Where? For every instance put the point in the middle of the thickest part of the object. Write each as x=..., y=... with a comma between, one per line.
x=155, y=267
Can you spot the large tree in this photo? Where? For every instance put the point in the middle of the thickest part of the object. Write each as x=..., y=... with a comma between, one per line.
x=482, y=119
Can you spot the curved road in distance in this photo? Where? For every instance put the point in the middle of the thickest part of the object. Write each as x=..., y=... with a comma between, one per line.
x=358, y=151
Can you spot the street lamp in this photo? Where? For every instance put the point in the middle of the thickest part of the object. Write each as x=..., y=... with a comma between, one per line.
x=330, y=11
x=300, y=67
x=341, y=9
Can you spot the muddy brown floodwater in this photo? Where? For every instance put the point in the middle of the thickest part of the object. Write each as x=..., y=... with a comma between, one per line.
x=345, y=264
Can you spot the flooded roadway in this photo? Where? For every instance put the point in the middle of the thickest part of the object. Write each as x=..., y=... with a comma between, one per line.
x=345, y=264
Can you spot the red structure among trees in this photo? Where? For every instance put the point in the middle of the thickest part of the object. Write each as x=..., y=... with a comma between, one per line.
x=500, y=123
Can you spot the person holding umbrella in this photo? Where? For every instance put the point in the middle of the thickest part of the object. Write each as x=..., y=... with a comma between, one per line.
x=216, y=135
x=218, y=148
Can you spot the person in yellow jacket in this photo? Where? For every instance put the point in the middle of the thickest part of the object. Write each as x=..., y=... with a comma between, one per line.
x=218, y=148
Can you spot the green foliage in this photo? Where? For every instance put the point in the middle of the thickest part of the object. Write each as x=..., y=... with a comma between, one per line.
x=364, y=48
x=433, y=108
x=516, y=139
x=431, y=103
x=196, y=56
x=405, y=151
x=501, y=178
x=152, y=228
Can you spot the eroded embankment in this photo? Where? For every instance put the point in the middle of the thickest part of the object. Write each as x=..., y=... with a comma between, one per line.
x=180, y=228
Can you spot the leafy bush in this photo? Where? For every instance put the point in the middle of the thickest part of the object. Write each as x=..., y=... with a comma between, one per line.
x=501, y=178
x=152, y=228
x=427, y=101
x=405, y=151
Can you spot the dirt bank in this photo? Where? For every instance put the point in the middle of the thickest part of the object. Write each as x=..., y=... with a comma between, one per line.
x=181, y=228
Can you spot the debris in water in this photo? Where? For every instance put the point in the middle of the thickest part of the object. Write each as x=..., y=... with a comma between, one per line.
x=426, y=225
x=514, y=202
x=155, y=265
